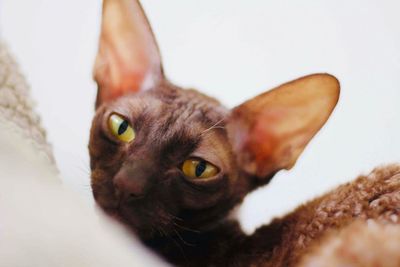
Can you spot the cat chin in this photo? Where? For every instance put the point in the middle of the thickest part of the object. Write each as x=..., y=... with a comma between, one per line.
x=130, y=223
x=144, y=228
x=124, y=213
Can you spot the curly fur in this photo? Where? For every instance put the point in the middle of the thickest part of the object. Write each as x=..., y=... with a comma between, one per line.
x=353, y=225
x=368, y=243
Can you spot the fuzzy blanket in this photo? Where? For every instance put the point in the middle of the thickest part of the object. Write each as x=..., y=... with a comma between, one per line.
x=16, y=105
x=42, y=223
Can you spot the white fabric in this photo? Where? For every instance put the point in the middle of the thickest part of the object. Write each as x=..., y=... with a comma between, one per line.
x=42, y=223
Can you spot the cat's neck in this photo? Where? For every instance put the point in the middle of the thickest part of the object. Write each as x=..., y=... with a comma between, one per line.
x=222, y=246
x=196, y=248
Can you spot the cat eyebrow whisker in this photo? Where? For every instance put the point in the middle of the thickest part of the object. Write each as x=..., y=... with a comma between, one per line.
x=215, y=126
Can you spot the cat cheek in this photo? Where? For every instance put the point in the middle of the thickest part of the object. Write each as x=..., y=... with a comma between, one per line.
x=104, y=197
x=205, y=196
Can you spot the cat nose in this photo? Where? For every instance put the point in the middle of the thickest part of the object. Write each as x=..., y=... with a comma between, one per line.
x=132, y=182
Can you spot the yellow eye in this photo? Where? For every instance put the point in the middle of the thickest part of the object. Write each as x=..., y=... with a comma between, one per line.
x=121, y=128
x=198, y=168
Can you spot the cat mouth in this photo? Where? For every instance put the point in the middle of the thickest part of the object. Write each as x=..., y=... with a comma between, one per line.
x=111, y=206
x=125, y=215
x=143, y=226
x=140, y=215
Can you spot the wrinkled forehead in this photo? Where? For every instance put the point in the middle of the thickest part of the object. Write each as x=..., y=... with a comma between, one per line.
x=174, y=106
x=170, y=111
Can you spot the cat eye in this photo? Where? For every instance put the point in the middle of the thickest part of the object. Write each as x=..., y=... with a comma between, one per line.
x=121, y=128
x=195, y=168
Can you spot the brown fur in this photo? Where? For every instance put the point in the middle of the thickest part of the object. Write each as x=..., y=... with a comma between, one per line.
x=311, y=230
x=171, y=124
x=185, y=236
x=185, y=220
x=361, y=244
x=375, y=197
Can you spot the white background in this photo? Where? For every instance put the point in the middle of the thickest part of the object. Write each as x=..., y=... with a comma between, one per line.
x=233, y=50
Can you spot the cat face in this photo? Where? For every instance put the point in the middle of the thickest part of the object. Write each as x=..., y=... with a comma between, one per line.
x=164, y=159
x=144, y=181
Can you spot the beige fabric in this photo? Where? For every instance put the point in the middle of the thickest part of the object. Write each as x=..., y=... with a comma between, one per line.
x=43, y=223
x=16, y=105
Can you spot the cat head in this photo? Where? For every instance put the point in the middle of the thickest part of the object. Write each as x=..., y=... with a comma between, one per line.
x=163, y=158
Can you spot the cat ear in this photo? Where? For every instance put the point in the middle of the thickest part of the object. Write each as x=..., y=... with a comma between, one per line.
x=269, y=132
x=128, y=58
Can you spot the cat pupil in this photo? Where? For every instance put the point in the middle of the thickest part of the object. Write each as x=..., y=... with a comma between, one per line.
x=200, y=168
x=122, y=128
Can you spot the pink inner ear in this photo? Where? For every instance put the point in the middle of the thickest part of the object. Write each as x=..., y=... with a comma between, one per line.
x=128, y=59
x=269, y=132
x=277, y=145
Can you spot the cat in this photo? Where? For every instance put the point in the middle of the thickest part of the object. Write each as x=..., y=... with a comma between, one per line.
x=172, y=163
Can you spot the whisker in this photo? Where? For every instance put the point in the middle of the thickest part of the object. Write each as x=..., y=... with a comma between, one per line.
x=181, y=238
x=186, y=228
x=175, y=242
x=161, y=231
x=215, y=126
x=175, y=217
